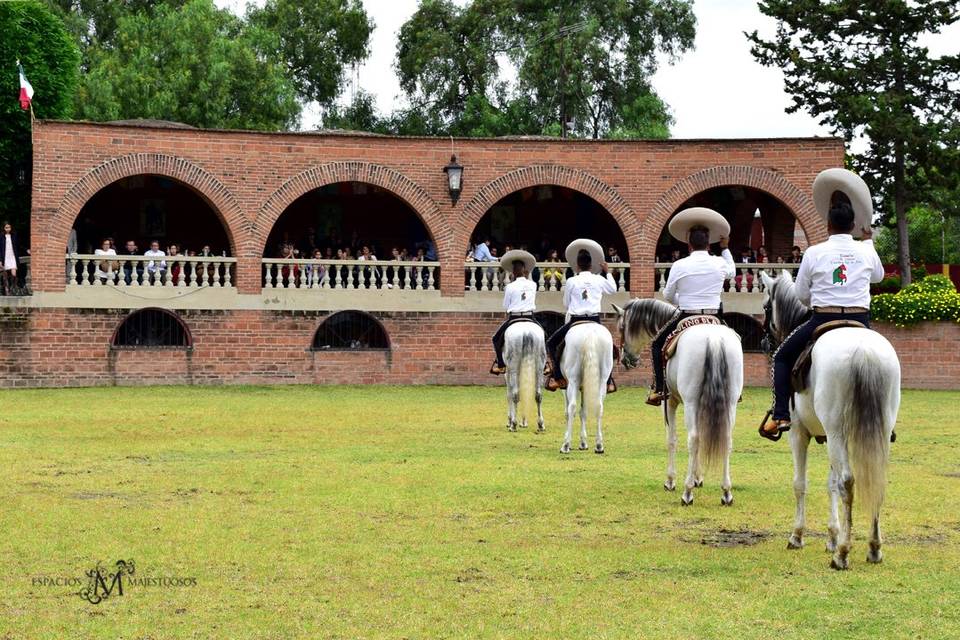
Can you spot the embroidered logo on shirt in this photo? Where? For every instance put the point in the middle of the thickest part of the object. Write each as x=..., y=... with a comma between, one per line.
x=523, y=296
x=840, y=275
x=584, y=294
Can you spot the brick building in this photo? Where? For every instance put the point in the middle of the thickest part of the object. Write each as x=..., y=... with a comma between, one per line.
x=247, y=313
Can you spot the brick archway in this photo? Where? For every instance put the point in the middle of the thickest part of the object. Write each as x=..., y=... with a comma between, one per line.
x=393, y=181
x=558, y=175
x=797, y=201
x=213, y=192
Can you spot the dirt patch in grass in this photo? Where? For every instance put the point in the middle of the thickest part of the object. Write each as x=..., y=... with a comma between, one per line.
x=732, y=538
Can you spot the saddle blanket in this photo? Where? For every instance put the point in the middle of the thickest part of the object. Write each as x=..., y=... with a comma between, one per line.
x=670, y=346
x=800, y=374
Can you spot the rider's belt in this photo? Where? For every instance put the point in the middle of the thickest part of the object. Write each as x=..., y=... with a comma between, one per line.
x=700, y=311
x=520, y=314
x=585, y=316
x=840, y=309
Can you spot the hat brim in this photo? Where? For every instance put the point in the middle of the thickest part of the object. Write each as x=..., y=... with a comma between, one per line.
x=851, y=185
x=591, y=247
x=683, y=222
x=506, y=262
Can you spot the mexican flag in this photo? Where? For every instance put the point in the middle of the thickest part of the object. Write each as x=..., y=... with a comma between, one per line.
x=26, y=89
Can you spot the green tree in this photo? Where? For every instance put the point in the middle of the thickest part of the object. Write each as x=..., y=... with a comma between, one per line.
x=859, y=67
x=194, y=64
x=31, y=32
x=934, y=238
x=586, y=62
x=316, y=40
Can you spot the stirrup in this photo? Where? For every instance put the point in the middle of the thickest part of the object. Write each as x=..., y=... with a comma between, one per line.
x=497, y=370
x=611, y=386
x=655, y=398
x=553, y=384
x=782, y=427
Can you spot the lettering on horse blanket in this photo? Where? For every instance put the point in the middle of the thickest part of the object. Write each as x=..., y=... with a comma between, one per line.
x=670, y=346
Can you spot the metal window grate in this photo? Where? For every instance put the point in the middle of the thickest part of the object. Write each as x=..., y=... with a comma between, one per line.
x=353, y=330
x=549, y=320
x=749, y=328
x=152, y=328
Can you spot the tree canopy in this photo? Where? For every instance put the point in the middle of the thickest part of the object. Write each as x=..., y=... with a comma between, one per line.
x=495, y=67
x=31, y=32
x=860, y=68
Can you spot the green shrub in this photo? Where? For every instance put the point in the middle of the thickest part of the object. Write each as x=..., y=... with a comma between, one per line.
x=933, y=298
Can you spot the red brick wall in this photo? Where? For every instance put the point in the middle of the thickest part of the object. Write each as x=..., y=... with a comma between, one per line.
x=58, y=347
x=249, y=178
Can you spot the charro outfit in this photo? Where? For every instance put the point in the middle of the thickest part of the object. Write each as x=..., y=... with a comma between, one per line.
x=520, y=301
x=834, y=279
x=582, y=296
x=694, y=286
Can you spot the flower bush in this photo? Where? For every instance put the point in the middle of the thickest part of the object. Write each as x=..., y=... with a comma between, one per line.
x=933, y=298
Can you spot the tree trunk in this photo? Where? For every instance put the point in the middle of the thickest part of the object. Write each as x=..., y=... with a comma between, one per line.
x=900, y=209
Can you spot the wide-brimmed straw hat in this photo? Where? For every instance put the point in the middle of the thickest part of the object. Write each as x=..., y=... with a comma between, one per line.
x=506, y=262
x=851, y=185
x=687, y=219
x=591, y=247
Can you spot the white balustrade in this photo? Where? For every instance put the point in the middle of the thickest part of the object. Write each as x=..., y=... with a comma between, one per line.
x=169, y=272
x=289, y=273
x=549, y=276
x=746, y=280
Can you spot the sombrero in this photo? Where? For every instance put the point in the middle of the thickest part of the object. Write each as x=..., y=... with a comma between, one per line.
x=591, y=247
x=506, y=262
x=699, y=217
x=849, y=184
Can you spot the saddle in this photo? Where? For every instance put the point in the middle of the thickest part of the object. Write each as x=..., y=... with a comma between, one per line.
x=512, y=321
x=800, y=374
x=670, y=346
x=563, y=343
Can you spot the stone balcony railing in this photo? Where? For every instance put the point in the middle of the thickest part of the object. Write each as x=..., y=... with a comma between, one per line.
x=353, y=275
x=549, y=276
x=144, y=272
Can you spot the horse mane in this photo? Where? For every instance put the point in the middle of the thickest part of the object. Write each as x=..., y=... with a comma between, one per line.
x=790, y=311
x=646, y=315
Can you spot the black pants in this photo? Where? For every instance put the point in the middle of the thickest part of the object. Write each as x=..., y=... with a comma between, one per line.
x=500, y=335
x=656, y=348
x=554, y=342
x=787, y=353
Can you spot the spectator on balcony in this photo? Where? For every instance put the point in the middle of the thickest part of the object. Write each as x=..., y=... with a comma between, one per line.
x=744, y=278
x=155, y=268
x=105, y=268
x=289, y=277
x=613, y=255
x=308, y=242
x=483, y=252
x=429, y=250
x=313, y=271
x=795, y=255
x=762, y=255
x=173, y=251
x=675, y=255
x=371, y=275
x=553, y=276
x=11, y=259
x=780, y=260
x=131, y=267
x=205, y=252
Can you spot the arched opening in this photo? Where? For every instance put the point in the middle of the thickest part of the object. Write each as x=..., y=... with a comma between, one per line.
x=152, y=328
x=146, y=208
x=350, y=221
x=550, y=321
x=543, y=220
x=351, y=330
x=757, y=220
x=762, y=229
x=749, y=328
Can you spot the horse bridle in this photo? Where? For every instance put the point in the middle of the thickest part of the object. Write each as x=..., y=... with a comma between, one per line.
x=769, y=340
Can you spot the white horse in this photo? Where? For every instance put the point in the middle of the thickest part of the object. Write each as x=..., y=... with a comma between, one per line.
x=587, y=362
x=525, y=353
x=706, y=374
x=852, y=398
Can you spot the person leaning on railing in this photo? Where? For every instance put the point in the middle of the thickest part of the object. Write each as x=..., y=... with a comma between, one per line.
x=556, y=274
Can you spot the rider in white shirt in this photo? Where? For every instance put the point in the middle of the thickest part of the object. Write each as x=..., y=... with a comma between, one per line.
x=582, y=296
x=834, y=279
x=694, y=286
x=519, y=301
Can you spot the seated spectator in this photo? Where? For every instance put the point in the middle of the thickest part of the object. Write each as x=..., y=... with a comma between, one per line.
x=553, y=277
x=155, y=268
x=795, y=255
x=780, y=260
x=744, y=277
x=134, y=266
x=105, y=268
x=613, y=255
x=762, y=255
x=173, y=251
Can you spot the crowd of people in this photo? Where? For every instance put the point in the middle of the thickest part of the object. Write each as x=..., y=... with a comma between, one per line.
x=744, y=277
x=485, y=250
x=162, y=266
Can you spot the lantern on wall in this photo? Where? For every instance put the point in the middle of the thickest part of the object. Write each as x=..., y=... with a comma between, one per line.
x=454, y=172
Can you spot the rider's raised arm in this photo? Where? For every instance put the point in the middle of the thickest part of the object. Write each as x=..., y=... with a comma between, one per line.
x=804, y=277
x=670, y=290
x=609, y=284
x=729, y=266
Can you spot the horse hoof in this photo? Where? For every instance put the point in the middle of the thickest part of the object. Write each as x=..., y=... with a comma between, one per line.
x=511, y=428
x=726, y=501
x=875, y=558
x=565, y=448
x=794, y=543
x=685, y=501
x=540, y=429
x=599, y=449
x=830, y=547
x=583, y=446
x=839, y=564
x=698, y=483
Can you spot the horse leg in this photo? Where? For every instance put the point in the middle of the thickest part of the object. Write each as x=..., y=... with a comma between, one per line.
x=671, y=482
x=603, y=391
x=799, y=445
x=513, y=397
x=539, y=398
x=570, y=395
x=693, y=453
x=726, y=484
x=833, y=524
x=843, y=485
x=583, y=424
x=875, y=555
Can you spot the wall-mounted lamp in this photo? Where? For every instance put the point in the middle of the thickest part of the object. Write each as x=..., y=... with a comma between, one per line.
x=454, y=172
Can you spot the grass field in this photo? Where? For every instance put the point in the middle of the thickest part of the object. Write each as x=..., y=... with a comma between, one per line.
x=412, y=513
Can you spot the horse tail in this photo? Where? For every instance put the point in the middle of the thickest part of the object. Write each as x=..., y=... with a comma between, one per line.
x=590, y=376
x=713, y=413
x=527, y=378
x=865, y=430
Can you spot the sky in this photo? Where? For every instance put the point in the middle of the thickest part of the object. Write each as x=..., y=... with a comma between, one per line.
x=716, y=90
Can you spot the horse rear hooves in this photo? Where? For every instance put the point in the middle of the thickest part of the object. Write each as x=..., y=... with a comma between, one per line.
x=599, y=449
